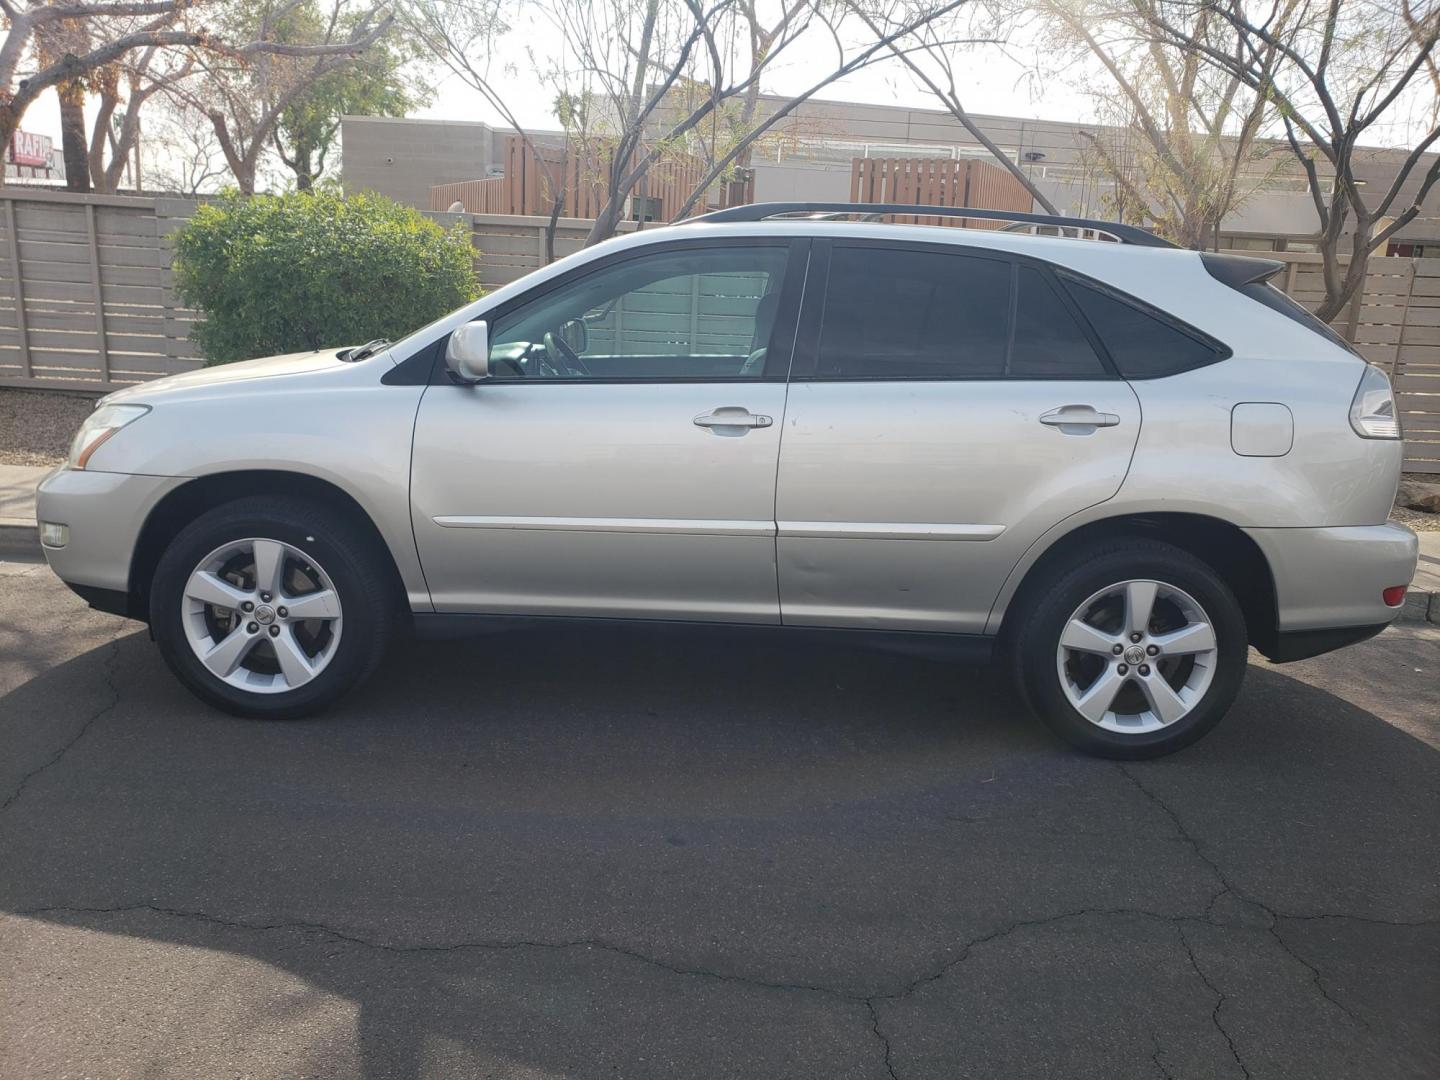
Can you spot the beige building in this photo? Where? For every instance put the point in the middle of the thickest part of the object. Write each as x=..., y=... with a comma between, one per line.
x=405, y=158
x=811, y=154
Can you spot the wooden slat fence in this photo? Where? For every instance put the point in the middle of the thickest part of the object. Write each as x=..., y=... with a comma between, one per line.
x=532, y=172
x=938, y=182
x=86, y=290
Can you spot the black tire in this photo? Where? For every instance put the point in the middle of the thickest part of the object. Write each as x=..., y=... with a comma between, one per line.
x=335, y=541
x=1050, y=600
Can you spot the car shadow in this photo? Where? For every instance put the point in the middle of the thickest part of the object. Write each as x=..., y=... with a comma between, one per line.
x=580, y=851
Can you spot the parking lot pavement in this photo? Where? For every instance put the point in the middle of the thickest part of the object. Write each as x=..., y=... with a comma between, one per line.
x=661, y=854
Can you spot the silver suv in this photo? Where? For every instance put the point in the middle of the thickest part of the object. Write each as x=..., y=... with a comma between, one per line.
x=1114, y=464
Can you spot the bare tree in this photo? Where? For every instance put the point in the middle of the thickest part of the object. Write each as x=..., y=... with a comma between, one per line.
x=888, y=30
x=1181, y=147
x=638, y=84
x=932, y=60
x=180, y=153
x=1335, y=72
x=461, y=35
x=123, y=88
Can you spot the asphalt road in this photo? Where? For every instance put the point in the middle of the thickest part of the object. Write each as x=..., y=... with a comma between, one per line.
x=646, y=854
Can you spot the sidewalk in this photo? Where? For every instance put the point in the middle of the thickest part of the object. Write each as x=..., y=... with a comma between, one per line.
x=1427, y=581
x=17, y=494
x=17, y=521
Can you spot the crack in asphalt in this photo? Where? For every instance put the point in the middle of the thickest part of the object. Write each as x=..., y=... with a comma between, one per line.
x=1219, y=998
x=1226, y=887
x=1315, y=977
x=1160, y=1066
x=55, y=758
x=884, y=1042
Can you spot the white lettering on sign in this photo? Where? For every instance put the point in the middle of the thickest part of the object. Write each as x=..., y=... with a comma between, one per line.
x=29, y=148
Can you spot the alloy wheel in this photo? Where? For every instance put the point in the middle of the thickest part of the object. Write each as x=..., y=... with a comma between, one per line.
x=261, y=615
x=1137, y=656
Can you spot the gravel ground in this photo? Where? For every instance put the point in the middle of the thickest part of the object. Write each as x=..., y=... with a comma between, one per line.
x=36, y=428
x=1416, y=519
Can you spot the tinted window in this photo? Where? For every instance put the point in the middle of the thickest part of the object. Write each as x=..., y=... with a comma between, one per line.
x=1141, y=345
x=1048, y=342
x=692, y=314
x=893, y=314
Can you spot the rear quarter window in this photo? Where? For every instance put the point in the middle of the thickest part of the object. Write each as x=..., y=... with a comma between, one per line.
x=1142, y=344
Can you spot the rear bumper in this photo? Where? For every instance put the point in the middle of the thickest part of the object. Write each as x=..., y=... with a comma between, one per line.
x=1303, y=644
x=104, y=513
x=1328, y=583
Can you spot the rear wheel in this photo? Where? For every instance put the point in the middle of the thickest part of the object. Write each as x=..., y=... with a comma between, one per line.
x=1131, y=650
x=271, y=608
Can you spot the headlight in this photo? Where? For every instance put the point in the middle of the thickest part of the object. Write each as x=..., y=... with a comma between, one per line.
x=98, y=427
x=1372, y=411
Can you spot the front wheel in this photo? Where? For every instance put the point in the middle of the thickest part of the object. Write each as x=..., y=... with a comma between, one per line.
x=271, y=608
x=1132, y=650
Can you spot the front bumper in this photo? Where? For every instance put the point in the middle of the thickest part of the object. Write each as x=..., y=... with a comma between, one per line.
x=104, y=513
x=1328, y=583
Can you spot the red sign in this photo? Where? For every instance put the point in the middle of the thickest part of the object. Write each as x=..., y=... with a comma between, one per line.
x=31, y=149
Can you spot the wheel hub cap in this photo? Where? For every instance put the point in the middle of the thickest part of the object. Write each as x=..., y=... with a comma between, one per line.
x=261, y=615
x=1137, y=656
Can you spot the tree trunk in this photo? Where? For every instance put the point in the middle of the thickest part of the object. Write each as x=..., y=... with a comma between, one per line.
x=9, y=124
x=304, y=181
x=72, y=136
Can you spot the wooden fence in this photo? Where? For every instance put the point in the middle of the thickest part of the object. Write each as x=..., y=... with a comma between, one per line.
x=87, y=298
x=531, y=173
x=938, y=182
x=509, y=246
x=86, y=290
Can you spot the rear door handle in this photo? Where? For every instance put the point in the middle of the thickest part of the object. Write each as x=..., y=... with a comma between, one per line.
x=1078, y=419
x=734, y=417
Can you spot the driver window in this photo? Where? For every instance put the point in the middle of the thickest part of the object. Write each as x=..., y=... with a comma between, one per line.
x=694, y=314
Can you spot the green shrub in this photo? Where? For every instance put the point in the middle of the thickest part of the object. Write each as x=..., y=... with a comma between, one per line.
x=275, y=274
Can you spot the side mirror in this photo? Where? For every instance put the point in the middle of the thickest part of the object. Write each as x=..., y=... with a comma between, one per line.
x=576, y=334
x=468, y=355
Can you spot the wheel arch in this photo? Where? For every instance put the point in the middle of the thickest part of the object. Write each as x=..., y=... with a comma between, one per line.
x=188, y=501
x=1220, y=544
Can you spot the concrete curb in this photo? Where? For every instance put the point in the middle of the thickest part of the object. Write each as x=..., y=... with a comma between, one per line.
x=20, y=542
x=1421, y=607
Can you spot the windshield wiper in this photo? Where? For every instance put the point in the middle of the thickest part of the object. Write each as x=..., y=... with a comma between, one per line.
x=370, y=348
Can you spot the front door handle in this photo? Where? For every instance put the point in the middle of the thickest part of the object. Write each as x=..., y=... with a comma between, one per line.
x=731, y=420
x=1078, y=419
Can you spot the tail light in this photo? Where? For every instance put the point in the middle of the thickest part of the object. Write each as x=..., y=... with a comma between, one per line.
x=1395, y=595
x=1372, y=412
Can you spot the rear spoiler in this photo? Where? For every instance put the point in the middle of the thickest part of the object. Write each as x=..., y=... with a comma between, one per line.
x=1237, y=271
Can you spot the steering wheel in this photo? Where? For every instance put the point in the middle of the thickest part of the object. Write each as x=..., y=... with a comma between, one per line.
x=557, y=347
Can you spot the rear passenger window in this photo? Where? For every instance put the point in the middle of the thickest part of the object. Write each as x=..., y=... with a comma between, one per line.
x=1048, y=341
x=1142, y=346
x=892, y=314
x=897, y=314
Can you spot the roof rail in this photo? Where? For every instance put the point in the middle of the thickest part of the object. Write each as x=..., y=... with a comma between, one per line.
x=1126, y=234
